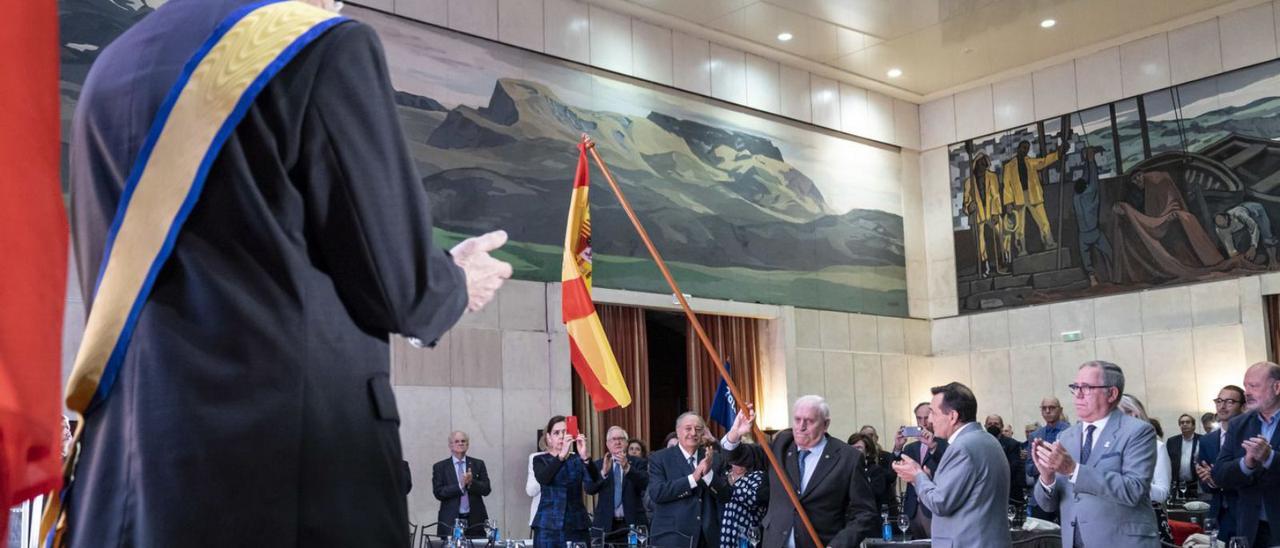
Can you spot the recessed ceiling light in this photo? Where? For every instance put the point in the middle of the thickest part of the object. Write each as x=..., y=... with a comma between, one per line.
x=895, y=72
x=785, y=37
x=1047, y=23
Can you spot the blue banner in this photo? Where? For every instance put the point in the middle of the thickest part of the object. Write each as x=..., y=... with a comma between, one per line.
x=723, y=406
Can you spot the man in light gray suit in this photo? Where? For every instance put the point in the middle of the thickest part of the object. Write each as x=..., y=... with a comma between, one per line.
x=969, y=491
x=1099, y=471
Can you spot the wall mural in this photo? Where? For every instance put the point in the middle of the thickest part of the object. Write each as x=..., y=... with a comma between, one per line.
x=743, y=207
x=1177, y=185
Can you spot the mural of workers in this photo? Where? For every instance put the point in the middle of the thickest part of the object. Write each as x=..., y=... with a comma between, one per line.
x=1023, y=192
x=1248, y=222
x=1086, y=204
x=982, y=205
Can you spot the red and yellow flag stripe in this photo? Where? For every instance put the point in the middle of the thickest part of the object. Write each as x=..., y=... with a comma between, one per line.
x=588, y=346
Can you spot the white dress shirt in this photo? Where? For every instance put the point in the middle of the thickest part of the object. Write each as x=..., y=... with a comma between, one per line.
x=1100, y=425
x=1185, y=458
x=1163, y=476
x=533, y=488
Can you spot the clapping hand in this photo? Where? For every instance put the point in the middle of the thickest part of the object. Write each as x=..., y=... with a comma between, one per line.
x=703, y=467
x=1051, y=458
x=606, y=464
x=466, y=478
x=1256, y=451
x=907, y=469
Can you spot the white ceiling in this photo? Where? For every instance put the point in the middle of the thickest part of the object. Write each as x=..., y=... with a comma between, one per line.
x=938, y=44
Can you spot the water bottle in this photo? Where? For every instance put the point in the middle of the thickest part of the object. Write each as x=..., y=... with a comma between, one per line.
x=886, y=530
x=633, y=538
x=495, y=537
x=458, y=532
x=743, y=542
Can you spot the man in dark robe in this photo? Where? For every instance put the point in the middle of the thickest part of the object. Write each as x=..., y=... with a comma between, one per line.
x=253, y=407
x=1162, y=240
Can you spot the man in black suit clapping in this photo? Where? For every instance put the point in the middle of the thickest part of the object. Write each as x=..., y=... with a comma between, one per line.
x=460, y=483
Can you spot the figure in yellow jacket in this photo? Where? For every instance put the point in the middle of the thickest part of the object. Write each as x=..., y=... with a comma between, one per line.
x=1022, y=192
x=982, y=205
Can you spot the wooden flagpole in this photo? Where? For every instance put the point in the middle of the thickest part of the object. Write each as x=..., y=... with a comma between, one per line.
x=706, y=343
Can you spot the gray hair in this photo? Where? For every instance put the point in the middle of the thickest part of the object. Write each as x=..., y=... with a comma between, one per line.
x=815, y=401
x=1272, y=369
x=1112, y=375
x=1133, y=407
x=618, y=428
x=682, y=416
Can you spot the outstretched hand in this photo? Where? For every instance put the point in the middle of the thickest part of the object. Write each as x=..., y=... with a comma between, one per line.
x=484, y=273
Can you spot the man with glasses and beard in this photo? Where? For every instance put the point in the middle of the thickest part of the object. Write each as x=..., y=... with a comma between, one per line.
x=1247, y=460
x=1229, y=404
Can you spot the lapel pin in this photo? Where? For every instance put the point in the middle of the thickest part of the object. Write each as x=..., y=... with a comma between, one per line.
x=1106, y=445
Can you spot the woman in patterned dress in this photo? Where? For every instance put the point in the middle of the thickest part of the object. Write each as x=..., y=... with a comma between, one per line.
x=562, y=516
x=750, y=498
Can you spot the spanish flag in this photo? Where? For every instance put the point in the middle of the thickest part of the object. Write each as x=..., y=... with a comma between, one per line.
x=588, y=347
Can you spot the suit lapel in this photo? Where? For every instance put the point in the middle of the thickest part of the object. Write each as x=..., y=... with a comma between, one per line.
x=824, y=466
x=1107, y=437
x=1070, y=439
x=793, y=466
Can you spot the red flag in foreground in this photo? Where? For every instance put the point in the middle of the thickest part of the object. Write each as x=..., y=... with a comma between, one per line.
x=33, y=244
x=588, y=347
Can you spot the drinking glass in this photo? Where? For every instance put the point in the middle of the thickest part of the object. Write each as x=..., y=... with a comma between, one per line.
x=642, y=535
x=1238, y=542
x=1211, y=529
x=753, y=536
x=1182, y=490
x=904, y=523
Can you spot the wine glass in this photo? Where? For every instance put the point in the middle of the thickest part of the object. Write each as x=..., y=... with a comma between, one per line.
x=1182, y=490
x=1012, y=512
x=1238, y=542
x=1211, y=529
x=642, y=535
x=490, y=525
x=753, y=536
x=904, y=523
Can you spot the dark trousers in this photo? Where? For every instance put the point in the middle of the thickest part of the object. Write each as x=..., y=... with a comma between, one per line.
x=1263, y=536
x=1039, y=513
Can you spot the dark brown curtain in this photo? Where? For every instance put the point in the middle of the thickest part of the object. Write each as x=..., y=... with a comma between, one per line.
x=1271, y=307
x=625, y=328
x=738, y=340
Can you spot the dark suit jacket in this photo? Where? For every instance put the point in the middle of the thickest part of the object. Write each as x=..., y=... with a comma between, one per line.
x=314, y=194
x=1013, y=454
x=444, y=484
x=1254, y=489
x=1173, y=446
x=1222, y=504
x=634, y=483
x=912, y=450
x=680, y=512
x=837, y=498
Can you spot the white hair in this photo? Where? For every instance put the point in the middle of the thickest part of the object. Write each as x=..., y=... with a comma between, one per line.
x=815, y=401
x=618, y=428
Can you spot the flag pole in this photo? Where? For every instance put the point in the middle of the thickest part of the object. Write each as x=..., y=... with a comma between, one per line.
x=706, y=342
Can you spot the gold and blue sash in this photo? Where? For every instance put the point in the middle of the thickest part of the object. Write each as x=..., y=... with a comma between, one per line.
x=210, y=98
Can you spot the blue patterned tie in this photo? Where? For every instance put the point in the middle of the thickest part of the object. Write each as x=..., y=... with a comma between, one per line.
x=617, y=486
x=464, y=505
x=803, y=454
x=1087, y=448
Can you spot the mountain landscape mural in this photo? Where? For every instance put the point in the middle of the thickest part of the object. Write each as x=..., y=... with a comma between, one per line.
x=742, y=206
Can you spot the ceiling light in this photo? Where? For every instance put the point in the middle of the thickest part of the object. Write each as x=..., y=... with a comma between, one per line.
x=1047, y=23
x=895, y=72
x=785, y=37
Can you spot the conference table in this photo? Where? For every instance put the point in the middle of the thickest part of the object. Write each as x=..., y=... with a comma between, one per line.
x=1021, y=539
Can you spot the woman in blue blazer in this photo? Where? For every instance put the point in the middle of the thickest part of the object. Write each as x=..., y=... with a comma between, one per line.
x=561, y=471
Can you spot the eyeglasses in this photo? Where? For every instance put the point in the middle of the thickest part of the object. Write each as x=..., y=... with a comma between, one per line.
x=1085, y=389
x=1227, y=401
x=1049, y=407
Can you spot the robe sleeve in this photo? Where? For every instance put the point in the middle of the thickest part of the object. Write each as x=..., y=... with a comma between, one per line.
x=370, y=225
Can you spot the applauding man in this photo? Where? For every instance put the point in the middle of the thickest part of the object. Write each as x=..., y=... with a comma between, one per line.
x=1098, y=473
x=623, y=479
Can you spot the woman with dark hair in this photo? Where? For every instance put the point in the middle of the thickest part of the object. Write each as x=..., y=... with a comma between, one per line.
x=636, y=448
x=750, y=498
x=561, y=471
x=879, y=474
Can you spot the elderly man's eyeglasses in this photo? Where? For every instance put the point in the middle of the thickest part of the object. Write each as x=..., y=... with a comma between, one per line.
x=1085, y=389
x=1227, y=401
